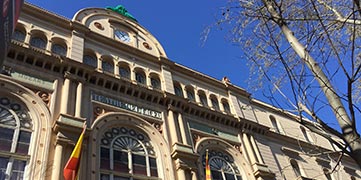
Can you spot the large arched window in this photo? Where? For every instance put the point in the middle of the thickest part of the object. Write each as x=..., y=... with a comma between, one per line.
x=226, y=106
x=127, y=154
x=39, y=41
x=19, y=34
x=124, y=71
x=59, y=47
x=90, y=59
x=108, y=64
x=15, y=134
x=214, y=101
x=178, y=89
x=140, y=76
x=190, y=93
x=306, y=135
x=203, y=98
x=155, y=81
x=276, y=125
x=222, y=166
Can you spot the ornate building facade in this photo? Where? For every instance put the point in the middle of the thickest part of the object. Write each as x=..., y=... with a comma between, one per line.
x=147, y=117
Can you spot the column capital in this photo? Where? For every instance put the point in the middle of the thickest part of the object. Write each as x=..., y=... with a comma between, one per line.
x=73, y=77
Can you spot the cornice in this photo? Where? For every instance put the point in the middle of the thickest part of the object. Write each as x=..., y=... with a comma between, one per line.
x=45, y=15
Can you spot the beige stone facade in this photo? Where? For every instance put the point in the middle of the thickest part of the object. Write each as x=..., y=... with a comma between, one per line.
x=147, y=117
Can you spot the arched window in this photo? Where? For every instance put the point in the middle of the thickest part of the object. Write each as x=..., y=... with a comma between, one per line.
x=19, y=35
x=90, y=60
x=214, y=101
x=15, y=134
x=222, y=166
x=155, y=82
x=276, y=126
x=226, y=106
x=178, y=89
x=125, y=153
x=124, y=71
x=190, y=93
x=59, y=49
x=140, y=76
x=202, y=98
x=38, y=41
x=108, y=65
x=306, y=135
x=295, y=167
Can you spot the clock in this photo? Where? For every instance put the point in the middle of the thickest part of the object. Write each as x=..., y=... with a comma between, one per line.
x=122, y=36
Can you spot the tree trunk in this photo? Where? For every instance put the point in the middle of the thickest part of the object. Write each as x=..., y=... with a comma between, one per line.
x=350, y=135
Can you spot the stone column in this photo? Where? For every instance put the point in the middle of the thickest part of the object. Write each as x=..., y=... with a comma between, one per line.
x=183, y=129
x=181, y=174
x=78, y=102
x=249, y=149
x=132, y=75
x=65, y=95
x=116, y=70
x=58, y=154
x=172, y=128
x=256, y=150
x=194, y=175
x=198, y=100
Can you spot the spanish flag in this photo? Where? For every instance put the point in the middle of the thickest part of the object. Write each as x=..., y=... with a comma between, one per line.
x=208, y=168
x=72, y=166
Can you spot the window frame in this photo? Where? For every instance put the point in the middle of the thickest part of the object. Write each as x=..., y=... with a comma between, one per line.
x=148, y=153
x=22, y=124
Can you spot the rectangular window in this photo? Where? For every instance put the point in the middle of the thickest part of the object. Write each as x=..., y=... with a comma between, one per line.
x=153, y=167
x=104, y=158
x=6, y=138
x=18, y=170
x=120, y=161
x=139, y=164
x=3, y=164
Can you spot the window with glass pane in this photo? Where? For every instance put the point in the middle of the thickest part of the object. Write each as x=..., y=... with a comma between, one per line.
x=226, y=107
x=15, y=136
x=222, y=166
x=58, y=49
x=203, y=99
x=108, y=67
x=125, y=152
x=215, y=104
x=19, y=35
x=155, y=82
x=190, y=94
x=124, y=72
x=140, y=77
x=178, y=90
x=90, y=60
x=38, y=42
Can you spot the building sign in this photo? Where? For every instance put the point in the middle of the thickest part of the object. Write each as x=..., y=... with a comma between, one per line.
x=32, y=80
x=126, y=106
x=10, y=11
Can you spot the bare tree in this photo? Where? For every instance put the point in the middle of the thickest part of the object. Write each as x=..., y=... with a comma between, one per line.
x=317, y=44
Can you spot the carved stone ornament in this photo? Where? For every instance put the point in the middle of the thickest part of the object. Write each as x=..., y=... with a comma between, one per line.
x=44, y=96
x=98, y=111
x=158, y=127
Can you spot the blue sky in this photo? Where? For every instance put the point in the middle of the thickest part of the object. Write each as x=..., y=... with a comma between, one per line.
x=178, y=26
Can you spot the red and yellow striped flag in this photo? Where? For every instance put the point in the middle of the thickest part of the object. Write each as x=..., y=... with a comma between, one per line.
x=72, y=166
x=208, y=168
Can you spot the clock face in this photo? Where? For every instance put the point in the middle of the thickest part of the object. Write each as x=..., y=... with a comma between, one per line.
x=121, y=35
